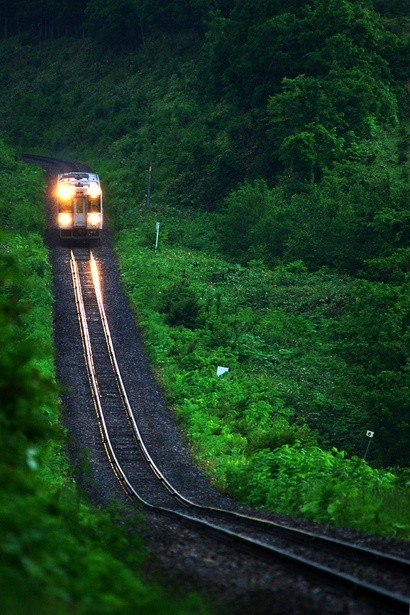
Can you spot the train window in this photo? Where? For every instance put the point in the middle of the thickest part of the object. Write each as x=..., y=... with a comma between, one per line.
x=94, y=205
x=65, y=206
x=79, y=202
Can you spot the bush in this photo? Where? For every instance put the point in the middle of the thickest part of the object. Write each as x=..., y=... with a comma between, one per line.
x=180, y=306
x=322, y=485
x=255, y=430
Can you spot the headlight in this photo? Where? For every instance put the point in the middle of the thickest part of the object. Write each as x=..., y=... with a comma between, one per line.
x=94, y=218
x=94, y=191
x=65, y=219
x=65, y=191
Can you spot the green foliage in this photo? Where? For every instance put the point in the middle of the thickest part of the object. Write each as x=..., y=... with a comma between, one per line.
x=23, y=388
x=256, y=429
x=326, y=486
x=288, y=119
x=377, y=348
x=327, y=73
x=355, y=219
x=276, y=88
x=105, y=21
x=314, y=120
x=254, y=224
x=180, y=305
x=59, y=556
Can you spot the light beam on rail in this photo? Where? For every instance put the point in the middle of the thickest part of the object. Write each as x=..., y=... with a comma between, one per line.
x=96, y=277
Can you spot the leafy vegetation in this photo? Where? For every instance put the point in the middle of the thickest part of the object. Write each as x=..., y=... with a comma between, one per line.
x=278, y=135
x=280, y=429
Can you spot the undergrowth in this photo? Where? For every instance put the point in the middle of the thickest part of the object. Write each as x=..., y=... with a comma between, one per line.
x=276, y=430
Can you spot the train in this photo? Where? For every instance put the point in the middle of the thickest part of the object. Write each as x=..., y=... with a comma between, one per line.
x=79, y=205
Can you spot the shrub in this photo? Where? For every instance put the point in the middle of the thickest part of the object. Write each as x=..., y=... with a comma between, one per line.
x=180, y=306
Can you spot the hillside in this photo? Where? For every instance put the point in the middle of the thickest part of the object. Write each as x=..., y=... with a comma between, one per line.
x=278, y=135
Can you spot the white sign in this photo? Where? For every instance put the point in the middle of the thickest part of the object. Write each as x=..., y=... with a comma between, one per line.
x=370, y=434
x=221, y=370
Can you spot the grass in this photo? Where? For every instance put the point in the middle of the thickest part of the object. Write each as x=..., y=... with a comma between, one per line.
x=270, y=432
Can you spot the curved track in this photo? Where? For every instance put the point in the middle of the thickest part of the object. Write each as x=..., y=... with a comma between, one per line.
x=341, y=563
x=143, y=480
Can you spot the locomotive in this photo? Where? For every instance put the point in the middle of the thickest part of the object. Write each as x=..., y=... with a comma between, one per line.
x=79, y=205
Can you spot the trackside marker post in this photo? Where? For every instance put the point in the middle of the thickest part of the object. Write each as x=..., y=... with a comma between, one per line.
x=369, y=434
x=157, y=236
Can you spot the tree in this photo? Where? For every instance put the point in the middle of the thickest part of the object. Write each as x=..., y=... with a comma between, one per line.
x=115, y=22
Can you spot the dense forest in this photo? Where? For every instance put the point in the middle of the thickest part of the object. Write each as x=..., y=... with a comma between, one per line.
x=278, y=134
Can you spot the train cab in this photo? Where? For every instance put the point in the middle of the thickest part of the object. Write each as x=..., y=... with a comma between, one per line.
x=79, y=205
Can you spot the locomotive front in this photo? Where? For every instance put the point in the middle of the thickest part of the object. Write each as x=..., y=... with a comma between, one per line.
x=79, y=205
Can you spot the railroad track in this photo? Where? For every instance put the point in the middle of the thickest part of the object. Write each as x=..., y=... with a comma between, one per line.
x=368, y=574
x=60, y=165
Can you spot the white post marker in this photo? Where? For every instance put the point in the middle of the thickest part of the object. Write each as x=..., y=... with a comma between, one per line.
x=221, y=370
x=157, y=237
x=369, y=435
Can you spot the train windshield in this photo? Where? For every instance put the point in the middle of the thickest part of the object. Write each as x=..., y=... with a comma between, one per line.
x=94, y=204
x=76, y=176
x=65, y=206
